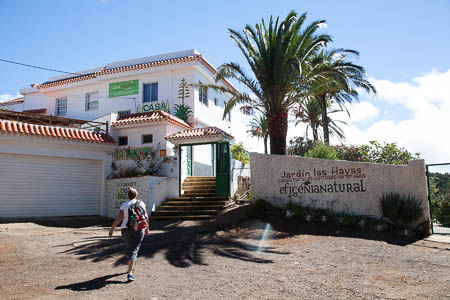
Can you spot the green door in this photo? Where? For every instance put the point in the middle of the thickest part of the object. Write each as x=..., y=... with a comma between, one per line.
x=223, y=170
x=189, y=160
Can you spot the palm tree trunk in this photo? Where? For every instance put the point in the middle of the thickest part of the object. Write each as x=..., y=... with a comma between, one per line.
x=277, y=125
x=326, y=133
x=315, y=135
x=265, y=145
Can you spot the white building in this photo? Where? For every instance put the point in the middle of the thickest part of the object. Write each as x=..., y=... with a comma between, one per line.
x=136, y=100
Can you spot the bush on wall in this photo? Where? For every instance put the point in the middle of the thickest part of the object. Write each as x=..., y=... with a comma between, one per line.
x=320, y=150
x=374, y=152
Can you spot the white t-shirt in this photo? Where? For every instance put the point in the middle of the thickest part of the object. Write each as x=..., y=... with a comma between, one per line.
x=125, y=206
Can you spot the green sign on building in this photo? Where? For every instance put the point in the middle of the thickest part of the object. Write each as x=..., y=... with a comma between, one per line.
x=123, y=88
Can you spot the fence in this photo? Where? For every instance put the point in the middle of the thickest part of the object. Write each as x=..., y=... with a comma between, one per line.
x=438, y=178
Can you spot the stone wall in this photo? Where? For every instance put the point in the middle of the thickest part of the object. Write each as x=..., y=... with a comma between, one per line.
x=342, y=186
x=152, y=190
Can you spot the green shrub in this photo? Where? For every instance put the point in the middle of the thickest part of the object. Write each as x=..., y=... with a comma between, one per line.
x=299, y=146
x=349, y=153
x=388, y=153
x=400, y=208
x=262, y=209
x=239, y=153
x=321, y=150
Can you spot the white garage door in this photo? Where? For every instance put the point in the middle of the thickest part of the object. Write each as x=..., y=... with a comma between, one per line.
x=36, y=186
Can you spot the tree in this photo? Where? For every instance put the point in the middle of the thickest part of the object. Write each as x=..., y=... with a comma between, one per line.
x=309, y=111
x=338, y=81
x=258, y=129
x=299, y=145
x=239, y=153
x=276, y=53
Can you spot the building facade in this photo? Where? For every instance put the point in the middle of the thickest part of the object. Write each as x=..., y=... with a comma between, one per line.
x=146, y=106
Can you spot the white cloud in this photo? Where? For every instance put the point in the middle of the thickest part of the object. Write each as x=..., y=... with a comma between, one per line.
x=359, y=112
x=7, y=97
x=425, y=129
x=427, y=97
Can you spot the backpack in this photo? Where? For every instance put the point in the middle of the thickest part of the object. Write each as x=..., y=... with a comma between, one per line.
x=136, y=217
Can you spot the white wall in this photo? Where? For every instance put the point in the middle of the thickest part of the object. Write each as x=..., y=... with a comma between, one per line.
x=211, y=114
x=158, y=131
x=152, y=190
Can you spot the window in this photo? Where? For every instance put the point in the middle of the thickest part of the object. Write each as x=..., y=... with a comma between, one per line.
x=147, y=138
x=91, y=101
x=123, y=112
x=61, y=106
x=203, y=95
x=150, y=92
x=123, y=140
x=216, y=101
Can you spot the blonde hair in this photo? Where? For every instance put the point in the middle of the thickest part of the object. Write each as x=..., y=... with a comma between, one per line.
x=132, y=193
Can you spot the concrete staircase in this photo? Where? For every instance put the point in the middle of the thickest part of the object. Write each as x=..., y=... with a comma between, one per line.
x=199, y=202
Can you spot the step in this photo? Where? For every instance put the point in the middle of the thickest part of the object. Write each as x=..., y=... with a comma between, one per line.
x=199, y=180
x=185, y=213
x=189, y=207
x=208, y=186
x=170, y=218
x=198, y=198
x=201, y=202
x=199, y=188
x=199, y=194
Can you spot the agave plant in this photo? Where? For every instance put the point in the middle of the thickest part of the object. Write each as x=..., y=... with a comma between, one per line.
x=400, y=208
x=182, y=111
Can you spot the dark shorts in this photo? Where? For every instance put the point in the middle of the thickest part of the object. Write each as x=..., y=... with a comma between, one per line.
x=133, y=240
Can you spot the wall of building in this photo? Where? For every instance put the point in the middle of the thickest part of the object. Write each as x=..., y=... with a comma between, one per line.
x=342, y=186
x=152, y=190
x=168, y=80
x=159, y=131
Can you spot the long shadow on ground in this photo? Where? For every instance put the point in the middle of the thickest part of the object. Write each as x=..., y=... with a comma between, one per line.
x=182, y=246
x=93, y=284
x=296, y=227
x=65, y=222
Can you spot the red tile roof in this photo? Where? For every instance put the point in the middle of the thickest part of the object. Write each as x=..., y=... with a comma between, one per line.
x=39, y=111
x=105, y=71
x=74, y=134
x=195, y=133
x=149, y=117
x=12, y=102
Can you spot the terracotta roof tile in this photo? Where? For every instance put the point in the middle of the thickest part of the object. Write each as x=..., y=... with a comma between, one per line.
x=75, y=134
x=105, y=71
x=195, y=133
x=149, y=117
x=13, y=101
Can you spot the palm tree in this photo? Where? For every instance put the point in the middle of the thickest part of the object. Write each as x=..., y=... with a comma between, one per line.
x=276, y=54
x=338, y=82
x=310, y=112
x=258, y=129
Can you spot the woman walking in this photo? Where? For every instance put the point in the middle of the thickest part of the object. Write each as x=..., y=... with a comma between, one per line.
x=132, y=238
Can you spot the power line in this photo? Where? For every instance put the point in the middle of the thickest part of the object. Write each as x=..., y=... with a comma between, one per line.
x=68, y=96
x=36, y=67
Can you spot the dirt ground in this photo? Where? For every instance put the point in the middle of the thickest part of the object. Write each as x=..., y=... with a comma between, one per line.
x=73, y=259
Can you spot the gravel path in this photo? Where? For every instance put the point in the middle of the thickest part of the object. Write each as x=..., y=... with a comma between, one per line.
x=252, y=260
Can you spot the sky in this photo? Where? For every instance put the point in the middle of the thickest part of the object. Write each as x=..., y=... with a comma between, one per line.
x=404, y=47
